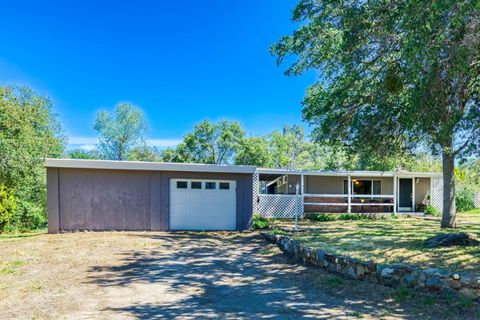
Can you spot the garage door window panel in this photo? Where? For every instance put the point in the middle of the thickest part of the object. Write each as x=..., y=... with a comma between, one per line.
x=224, y=186
x=210, y=185
x=182, y=185
x=196, y=185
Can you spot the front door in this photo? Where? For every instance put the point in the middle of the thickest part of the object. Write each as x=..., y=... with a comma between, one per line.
x=405, y=201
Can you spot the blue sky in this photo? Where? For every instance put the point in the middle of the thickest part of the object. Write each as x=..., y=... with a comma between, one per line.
x=180, y=61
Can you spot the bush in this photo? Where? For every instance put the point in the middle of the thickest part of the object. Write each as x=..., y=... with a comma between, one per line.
x=8, y=204
x=30, y=216
x=260, y=222
x=322, y=217
x=432, y=211
x=464, y=200
x=350, y=216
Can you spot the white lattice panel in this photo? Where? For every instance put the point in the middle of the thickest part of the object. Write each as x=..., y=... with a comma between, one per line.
x=436, y=195
x=477, y=200
x=280, y=206
x=255, y=192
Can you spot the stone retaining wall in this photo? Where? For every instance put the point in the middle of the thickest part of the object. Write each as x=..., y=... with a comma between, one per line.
x=394, y=275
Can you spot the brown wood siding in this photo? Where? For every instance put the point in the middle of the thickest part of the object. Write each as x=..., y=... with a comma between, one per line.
x=92, y=199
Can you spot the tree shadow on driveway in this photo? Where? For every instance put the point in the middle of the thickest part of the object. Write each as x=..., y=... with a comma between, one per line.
x=236, y=276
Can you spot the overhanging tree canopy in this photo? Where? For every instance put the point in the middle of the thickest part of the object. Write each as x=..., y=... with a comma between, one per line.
x=393, y=74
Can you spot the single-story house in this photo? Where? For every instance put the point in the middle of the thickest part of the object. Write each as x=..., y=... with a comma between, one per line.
x=130, y=195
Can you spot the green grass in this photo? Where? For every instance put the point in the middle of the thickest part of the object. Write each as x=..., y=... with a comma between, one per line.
x=393, y=241
x=18, y=235
x=10, y=267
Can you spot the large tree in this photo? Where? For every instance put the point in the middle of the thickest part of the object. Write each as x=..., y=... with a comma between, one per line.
x=290, y=149
x=254, y=151
x=214, y=143
x=121, y=131
x=393, y=74
x=29, y=133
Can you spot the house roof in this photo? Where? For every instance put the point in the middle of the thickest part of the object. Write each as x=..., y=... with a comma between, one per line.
x=149, y=166
x=344, y=173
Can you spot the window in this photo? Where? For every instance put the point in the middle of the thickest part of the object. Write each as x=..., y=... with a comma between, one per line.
x=182, y=185
x=377, y=187
x=196, y=185
x=209, y=185
x=224, y=185
x=362, y=186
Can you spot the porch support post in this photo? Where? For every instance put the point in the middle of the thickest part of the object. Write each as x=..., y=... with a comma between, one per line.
x=395, y=193
x=302, y=184
x=413, y=194
x=349, y=194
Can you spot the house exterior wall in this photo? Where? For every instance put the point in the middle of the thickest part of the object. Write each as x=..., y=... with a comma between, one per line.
x=96, y=199
x=334, y=184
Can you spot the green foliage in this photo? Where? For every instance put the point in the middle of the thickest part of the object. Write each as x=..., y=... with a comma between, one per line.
x=464, y=200
x=322, y=217
x=8, y=204
x=121, y=131
x=30, y=216
x=260, y=222
x=214, y=143
x=83, y=154
x=29, y=133
x=145, y=153
x=432, y=211
x=289, y=149
x=342, y=216
x=254, y=151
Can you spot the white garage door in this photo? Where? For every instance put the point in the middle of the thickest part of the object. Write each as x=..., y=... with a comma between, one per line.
x=202, y=204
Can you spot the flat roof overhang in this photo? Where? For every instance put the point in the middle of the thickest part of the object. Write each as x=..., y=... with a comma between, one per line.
x=344, y=173
x=146, y=166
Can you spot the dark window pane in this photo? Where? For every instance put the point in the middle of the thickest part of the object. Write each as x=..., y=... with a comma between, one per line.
x=224, y=185
x=345, y=186
x=181, y=184
x=196, y=185
x=362, y=187
x=377, y=187
x=209, y=185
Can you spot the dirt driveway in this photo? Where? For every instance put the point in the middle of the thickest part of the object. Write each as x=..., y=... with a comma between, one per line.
x=121, y=275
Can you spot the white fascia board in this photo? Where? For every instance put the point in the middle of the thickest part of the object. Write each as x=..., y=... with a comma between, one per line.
x=148, y=166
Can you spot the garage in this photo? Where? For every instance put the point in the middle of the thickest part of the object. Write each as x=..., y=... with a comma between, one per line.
x=102, y=195
x=202, y=204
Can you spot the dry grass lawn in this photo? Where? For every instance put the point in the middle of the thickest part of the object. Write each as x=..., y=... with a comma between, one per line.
x=395, y=241
x=141, y=275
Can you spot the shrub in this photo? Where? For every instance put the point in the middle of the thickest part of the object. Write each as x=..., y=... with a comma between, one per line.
x=432, y=211
x=30, y=216
x=464, y=200
x=8, y=204
x=350, y=216
x=322, y=217
x=260, y=222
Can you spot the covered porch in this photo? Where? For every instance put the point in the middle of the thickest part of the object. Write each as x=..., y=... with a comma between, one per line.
x=281, y=192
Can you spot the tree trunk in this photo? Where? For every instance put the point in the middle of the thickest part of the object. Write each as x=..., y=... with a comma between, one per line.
x=449, y=210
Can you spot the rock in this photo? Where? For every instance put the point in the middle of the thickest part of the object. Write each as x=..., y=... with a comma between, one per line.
x=470, y=293
x=452, y=239
x=387, y=272
x=434, y=284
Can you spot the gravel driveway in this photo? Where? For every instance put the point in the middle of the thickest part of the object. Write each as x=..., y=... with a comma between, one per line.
x=122, y=275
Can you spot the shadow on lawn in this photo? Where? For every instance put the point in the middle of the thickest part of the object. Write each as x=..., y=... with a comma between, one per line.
x=214, y=276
